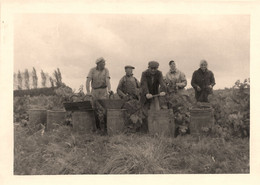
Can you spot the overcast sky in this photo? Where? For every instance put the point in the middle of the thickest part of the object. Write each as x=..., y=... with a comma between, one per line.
x=72, y=42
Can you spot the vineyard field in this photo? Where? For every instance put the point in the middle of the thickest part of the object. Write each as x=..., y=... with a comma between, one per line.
x=222, y=150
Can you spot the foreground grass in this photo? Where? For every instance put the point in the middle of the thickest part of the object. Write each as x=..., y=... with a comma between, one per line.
x=65, y=152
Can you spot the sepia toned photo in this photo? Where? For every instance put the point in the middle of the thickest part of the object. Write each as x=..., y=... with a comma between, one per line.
x=113, y=92
x=131, y=94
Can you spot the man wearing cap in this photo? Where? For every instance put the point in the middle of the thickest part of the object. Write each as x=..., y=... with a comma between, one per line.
x=100, y=83
x=151, y=80
x=128, y=87
x=100, y=80
x=203, y=81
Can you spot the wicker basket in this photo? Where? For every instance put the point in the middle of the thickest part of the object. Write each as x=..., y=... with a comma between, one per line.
x=76, y=106
x=111, y=103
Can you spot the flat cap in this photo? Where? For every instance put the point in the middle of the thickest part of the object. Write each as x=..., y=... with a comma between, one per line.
x=100, y=60
x=128, y=66
x=153, y=64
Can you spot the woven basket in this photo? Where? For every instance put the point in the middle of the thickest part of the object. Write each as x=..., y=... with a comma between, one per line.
x=75, y=106
x=111, y=103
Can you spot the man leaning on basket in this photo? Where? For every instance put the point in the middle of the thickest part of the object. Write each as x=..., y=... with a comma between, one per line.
x=100, y=88
x=151, y=84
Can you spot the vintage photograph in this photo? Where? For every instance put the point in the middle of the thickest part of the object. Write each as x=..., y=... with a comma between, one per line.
x=111, y=93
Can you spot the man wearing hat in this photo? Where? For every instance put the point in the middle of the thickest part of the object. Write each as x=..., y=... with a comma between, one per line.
x=100, y=80
x=100, y=83
x=128, y=87
x=151, y=79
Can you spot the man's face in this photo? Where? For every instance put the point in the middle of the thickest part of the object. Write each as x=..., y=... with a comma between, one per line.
x=153, y=70
x=129, y=71
x=101, y=64
x=203, y=66
x=173, y=66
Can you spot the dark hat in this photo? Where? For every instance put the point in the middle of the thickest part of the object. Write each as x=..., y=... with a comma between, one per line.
x=153, y=64
x=128, y=66
x=100, y=60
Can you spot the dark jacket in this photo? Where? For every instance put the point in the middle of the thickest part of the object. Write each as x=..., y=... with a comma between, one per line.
x=147, y=87
x=202, y=79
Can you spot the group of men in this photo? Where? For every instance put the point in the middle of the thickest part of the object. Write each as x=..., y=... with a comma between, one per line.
x=153, y=86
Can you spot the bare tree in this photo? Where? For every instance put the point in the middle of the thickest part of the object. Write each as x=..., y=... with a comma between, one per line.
x=20, y=80
x=34, y=78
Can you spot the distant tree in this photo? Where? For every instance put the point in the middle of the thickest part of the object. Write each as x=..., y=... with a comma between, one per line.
x=20, y=80
x=43, y=78
x=26, y=79
x=34, y=78
x=47, y=80
x=52, y=82
x=58, y=78
x=14, y=81
x=59, y=75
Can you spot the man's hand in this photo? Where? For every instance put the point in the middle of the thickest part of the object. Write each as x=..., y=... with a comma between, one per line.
x=162, y=93
x=149, y=96
x=210, y=86
x=198, y=88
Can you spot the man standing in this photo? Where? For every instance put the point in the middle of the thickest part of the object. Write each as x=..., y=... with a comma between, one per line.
x=128, y=87
x=100, y=83
x=203, y=81
x=177, y=99
x=151, y=79
x=100, y=80
x=175, y=79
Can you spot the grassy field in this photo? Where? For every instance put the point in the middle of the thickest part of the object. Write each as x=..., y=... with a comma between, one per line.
x=65, y=152
x=225, y=149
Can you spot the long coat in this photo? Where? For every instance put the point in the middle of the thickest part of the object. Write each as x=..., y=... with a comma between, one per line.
x=203, y=80
x=149, y=86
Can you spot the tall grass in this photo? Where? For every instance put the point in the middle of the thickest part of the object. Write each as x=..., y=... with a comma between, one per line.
x=65, y=152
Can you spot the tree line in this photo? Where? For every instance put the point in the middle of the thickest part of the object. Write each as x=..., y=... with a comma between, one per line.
x=26, y=80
